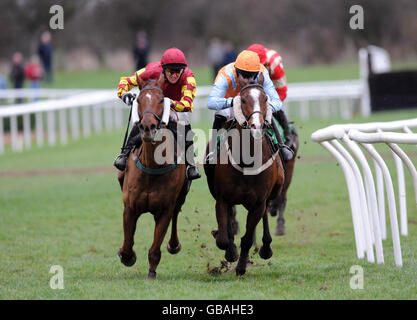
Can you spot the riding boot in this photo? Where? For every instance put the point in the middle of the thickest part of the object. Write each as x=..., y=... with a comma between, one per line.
x=283, y=121
x=192, y=171
x=133, y=140
x=286, y=152
x=219, y=120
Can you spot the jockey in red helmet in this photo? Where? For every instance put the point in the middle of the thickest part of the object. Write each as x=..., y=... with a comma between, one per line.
x=272, y=60
x=179, y=87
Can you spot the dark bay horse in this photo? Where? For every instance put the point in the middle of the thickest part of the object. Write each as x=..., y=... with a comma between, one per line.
x=230, y=186
x=148, y=185
x=279, y=203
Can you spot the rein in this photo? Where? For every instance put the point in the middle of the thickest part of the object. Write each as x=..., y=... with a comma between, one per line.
x=161, y=124
x=245, y=125
x=158, y=118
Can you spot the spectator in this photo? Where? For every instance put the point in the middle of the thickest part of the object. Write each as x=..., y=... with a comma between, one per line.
x=215, y=56
x=230, y=54
x=34, y=72
x=3, y=86
x=17, y=73
x=45, y=55
x=141, y=49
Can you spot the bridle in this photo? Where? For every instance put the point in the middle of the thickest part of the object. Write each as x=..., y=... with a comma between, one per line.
x=161, y=124
x=245, y=125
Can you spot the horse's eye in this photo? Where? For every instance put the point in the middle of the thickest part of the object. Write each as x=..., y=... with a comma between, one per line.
x=162, y=101
x=243, y=101
x=266, y=99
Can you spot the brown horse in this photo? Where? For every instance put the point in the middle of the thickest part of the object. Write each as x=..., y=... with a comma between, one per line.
x=280, y=202
x=230, y=186
x=149, y=186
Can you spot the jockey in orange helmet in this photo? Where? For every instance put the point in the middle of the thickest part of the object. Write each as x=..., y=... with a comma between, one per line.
x=272, y=60
x=247, y=67
x=179, y=87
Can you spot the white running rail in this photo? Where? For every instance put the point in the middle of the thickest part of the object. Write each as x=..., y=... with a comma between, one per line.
x=368, y=202
x=69, y=110
x=80, y=112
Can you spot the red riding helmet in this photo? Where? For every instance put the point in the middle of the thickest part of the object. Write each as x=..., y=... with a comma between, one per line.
x=173, y=57
x=260, y=50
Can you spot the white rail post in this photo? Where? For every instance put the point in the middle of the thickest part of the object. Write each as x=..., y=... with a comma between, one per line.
x=75, y=123
x=108, y=117
x=1, y=136
x=401, y=194
x=381, y=199
x=98, y=126
x=391, y=203
x=51, y=128
x=366, y=209
x=86, y=121
x=13, y=133
x=39, y=128
x=63, y=132
x=304, y=111
x=353, y=197
x=27, y=130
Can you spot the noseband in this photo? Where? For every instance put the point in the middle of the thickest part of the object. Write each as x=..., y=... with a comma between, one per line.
x=246, y=124
x=160, y=123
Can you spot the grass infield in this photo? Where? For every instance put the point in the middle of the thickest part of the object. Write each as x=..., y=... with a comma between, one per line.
x=62, y=206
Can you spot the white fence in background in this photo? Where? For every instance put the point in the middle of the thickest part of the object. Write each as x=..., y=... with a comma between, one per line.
x=78, y=114
x=77, y=111
x=367, y=202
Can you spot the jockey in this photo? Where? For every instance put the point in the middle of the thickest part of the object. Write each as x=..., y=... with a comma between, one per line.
x=179, y=86
x=226, y=86
x=272, y=60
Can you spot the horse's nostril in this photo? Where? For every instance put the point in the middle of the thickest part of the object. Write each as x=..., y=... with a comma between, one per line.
x=153, y=126
x=141, y=127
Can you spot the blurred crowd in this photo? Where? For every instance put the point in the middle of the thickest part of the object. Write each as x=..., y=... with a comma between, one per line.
x=37, y=68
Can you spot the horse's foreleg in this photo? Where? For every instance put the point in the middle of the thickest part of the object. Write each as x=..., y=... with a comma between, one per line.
x=254, y=216
x=154, y=255
x=266, y=251
x=126, y=254
x=231, y=254
x=173, y=245
x=280, y=229
x=222, y=239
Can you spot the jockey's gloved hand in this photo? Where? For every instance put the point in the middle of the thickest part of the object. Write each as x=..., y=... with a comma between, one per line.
x=128, y=98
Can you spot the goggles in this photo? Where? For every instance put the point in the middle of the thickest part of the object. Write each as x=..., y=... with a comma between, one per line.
x=170, y=71
x=247, y=74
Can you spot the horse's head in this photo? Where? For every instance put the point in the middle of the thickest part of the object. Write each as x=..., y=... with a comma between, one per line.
x=252, y=111
x=150, y=107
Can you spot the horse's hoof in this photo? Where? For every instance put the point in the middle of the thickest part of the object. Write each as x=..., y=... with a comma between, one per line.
x=280, y=230
x=265, y=253
x=273, y=212
x=231, y=254
x=128, y=261
x=240, y=271
x=151, y=275
x=174, y=250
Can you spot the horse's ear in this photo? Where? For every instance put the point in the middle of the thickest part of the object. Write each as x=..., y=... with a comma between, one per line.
x=161, y=81
x=241, y=82
x=261, y=78
x=141, y=83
